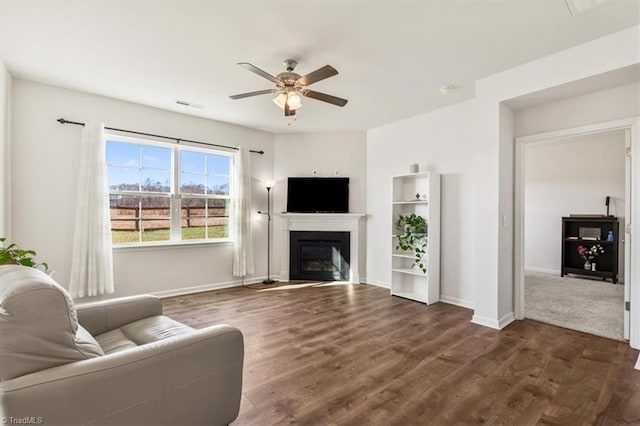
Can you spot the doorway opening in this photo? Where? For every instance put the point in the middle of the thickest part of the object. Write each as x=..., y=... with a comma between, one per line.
x=573, y=272
x=588, y=301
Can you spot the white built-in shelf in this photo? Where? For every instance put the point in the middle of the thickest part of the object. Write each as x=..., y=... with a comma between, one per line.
x=410, y=295
x=407, y=280
x=413, y=176
x=395, y=236
x=410, y=271
x=403, y=256
x=411, y=202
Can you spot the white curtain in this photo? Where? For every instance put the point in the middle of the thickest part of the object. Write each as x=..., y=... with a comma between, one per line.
x=92, y=265
x=241, y=231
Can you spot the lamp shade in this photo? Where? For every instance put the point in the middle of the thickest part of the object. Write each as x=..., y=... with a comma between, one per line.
x=294, y=100
x=282, y=98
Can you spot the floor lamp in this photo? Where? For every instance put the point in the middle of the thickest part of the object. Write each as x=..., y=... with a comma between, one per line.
x=268, y=185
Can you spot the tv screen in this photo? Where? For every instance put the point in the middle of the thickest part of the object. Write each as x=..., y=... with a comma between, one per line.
x=318, y=195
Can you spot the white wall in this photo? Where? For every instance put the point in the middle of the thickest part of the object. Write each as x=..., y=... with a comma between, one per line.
x=596, y=107
x=440, y=141
x=299, y=154
x=569, y=176
x=45, y=162
x=505, y=203
x=5, y=151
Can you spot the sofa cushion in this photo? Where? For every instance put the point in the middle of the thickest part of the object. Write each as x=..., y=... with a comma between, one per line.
x=154, y=328
x=114, y=341
x=147, y=330
x=38, y=324
x=86, y=343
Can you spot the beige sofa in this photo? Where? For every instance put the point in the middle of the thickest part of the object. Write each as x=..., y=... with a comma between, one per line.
x=114, y=362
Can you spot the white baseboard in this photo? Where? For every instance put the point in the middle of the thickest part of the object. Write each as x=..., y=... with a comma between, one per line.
x=485, y=322
x=637, y=367
x=208, y=287
x=542, y=270
x=377, y=283
x=506, y=320
x=492, y=323
x=455, y=301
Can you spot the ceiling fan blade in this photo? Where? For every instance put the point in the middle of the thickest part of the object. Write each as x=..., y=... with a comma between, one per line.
x=248, y=94
x=258, y=71
x=317, y=75
x=325, y=98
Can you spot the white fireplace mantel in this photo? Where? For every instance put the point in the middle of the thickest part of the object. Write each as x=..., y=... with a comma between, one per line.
x=331, y=222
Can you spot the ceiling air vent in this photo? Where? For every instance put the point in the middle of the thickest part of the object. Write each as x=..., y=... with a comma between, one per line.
x=189, y=104
x=578, y=6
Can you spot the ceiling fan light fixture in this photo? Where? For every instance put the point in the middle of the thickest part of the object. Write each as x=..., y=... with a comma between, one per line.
x=291, y=87
x=293, y=100
x=282, y=98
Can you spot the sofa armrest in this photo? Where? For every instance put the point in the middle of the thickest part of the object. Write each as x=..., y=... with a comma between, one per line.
x=191, y=379
x=100, y=317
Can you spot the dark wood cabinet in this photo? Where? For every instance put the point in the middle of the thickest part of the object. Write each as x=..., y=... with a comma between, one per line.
x=588, y=232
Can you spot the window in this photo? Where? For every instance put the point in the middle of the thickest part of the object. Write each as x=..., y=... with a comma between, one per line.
x=204, y=192
x=161, y=192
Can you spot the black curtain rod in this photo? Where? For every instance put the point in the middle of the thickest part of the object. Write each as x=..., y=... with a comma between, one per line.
x=178, y=140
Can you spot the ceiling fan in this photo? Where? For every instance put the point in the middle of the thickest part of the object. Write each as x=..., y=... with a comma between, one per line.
x=291, y=85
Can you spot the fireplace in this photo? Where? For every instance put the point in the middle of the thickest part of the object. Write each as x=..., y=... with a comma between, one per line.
x=319, y=255
x=348, y=223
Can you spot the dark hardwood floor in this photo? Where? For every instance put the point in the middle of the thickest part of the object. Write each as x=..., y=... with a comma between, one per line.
x=353, y=355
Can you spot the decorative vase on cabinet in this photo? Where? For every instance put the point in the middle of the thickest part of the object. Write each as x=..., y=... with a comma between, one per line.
x=415, y=270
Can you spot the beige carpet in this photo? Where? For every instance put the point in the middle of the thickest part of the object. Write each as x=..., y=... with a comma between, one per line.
x=591, y=306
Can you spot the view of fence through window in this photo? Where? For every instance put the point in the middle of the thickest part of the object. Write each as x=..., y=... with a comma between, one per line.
x=143, y=188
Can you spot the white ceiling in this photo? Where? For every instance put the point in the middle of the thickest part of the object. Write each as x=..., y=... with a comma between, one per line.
x=392, y=56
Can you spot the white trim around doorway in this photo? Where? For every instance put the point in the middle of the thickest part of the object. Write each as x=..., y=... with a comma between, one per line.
x=632, y=125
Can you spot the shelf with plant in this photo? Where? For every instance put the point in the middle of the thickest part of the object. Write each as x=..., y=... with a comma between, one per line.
x=409, y=271
x=403, y=255
x=411, y=233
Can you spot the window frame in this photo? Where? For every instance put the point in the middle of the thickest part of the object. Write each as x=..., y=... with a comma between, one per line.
x=175, y=196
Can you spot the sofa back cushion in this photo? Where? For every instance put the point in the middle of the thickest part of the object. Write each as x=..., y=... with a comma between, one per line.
x=38, y=324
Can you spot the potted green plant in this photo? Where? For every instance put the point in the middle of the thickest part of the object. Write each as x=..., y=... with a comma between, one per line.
x=14, y=255
x=411, y=233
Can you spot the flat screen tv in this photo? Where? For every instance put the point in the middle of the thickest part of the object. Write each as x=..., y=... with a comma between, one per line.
x=318, y=195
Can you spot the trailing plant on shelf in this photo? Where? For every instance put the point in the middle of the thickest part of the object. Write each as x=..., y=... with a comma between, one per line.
x=13, y=255
x=411, y=232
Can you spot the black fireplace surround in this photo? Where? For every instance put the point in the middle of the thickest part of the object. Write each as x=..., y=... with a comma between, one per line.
x=319, y=256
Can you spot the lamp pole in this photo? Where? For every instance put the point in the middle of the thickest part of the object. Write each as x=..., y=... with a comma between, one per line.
x=268, y=213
